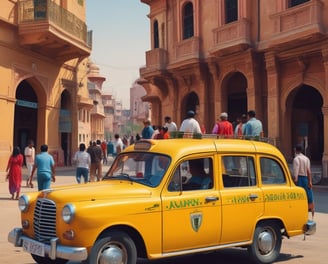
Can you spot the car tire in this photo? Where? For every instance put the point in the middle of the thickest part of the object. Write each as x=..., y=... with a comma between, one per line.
x=46, y=260
x=266, y=243
x=116, y=246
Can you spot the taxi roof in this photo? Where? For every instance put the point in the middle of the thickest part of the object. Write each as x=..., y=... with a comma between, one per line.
x=185, y=146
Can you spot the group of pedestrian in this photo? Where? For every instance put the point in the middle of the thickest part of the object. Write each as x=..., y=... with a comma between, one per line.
x=89, y=161
x=159, y=131
x=246, y=126
x=43, y=164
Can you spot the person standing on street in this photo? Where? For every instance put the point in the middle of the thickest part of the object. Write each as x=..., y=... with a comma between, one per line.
x=82, y=160
x=104, y=151
x=45, y=166
x=302, y=175
x=253, y=127
x=96, y=158
x=29, y=153
x=118, y=145
x=14, y=172
x=147, y=131
x=171, y=126
x=190, y=124
x=223, y=127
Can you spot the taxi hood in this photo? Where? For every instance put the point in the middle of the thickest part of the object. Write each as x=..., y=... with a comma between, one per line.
x=112, y=189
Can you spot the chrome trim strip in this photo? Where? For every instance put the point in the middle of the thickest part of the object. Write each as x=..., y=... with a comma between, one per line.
x=206, y=249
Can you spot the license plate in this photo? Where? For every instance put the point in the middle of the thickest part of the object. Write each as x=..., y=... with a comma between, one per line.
x=34, y=247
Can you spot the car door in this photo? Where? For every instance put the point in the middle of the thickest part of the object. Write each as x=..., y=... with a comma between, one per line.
x=191, y=213
x=242, y=199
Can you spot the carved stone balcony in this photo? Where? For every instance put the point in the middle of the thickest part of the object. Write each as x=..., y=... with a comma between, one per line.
x=98, y=110
x=231, y=37
x=187, y=49
x=156, y=59
x=52, y=31
x=302, y=22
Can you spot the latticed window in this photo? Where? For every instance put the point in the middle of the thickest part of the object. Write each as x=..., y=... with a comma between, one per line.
x=296, y=2
x=231, y=10
x=156, y=36
x=188, y=21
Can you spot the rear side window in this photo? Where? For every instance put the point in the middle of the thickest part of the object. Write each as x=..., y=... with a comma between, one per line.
x=238, y=171
x=271, y=171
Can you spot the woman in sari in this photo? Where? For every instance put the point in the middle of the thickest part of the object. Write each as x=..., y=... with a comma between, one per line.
x=14, y=172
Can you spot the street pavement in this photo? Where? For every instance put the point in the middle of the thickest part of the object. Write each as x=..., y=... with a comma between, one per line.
x=294, y=250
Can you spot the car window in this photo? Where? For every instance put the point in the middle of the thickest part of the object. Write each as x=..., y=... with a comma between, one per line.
x=145, y=168
x=192, y=174
x=238, y=171
x=271, y=171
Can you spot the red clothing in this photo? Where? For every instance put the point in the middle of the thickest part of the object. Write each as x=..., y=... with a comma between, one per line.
x=15, y=173
x=104, y=146
x=225, y=128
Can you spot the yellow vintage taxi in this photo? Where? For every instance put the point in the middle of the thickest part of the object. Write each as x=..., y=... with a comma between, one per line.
x=165, y=198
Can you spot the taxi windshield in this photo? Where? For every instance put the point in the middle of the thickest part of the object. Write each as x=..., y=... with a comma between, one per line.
x=145, y=168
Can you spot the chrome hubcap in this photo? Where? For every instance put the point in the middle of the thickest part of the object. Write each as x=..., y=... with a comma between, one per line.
x=111, y=255
x=265, y=242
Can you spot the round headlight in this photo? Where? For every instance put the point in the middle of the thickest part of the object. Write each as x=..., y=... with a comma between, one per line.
x=68, y=213
x=23, y=203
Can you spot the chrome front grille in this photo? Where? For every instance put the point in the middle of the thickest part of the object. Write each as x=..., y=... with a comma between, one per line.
x=44, y=220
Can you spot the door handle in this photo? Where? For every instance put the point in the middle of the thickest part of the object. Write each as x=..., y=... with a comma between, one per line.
x=253, y=196
x=211, y=199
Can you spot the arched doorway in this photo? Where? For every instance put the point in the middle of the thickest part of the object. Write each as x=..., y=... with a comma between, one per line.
x=307, y=120
x=236, y=95
x=26, y=115
x=65, y=126
x=190, y=102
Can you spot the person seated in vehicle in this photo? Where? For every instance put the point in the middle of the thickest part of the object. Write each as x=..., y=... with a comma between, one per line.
x=199, y=179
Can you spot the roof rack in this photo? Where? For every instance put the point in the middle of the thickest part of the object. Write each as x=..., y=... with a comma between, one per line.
x=180, y=134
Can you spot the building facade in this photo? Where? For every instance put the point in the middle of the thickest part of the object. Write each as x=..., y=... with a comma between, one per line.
x=43, y=45
x=109, y=108
x=139, y=110
x=97, y=118
x=232, y=56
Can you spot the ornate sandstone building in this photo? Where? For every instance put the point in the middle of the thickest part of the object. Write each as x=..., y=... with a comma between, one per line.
x=44, y=45
x=231, y=56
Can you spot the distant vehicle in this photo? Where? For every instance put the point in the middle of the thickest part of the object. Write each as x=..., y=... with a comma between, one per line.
x=164, y=198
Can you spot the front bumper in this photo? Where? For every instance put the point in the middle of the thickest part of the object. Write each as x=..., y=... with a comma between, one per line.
x=53, y=251
x=310, y=228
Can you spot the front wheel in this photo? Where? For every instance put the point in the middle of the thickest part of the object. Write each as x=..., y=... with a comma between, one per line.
x=46, y=260
x=266, y=243
x=115, y=247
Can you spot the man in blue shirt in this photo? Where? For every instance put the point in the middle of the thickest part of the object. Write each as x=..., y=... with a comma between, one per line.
x=253, y=127
x=147, y=131
x=45, y=166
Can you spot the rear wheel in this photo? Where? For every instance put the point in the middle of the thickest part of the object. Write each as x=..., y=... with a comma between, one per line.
x=46, y=260
x=266, y=243
x=115, y=247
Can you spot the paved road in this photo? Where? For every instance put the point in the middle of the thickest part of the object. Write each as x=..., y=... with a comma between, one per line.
x=294, y=250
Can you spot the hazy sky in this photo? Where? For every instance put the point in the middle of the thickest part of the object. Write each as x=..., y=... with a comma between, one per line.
x=120, y=40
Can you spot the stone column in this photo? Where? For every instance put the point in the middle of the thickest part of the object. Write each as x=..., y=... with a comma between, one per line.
x=325, y=147
x=254, y=89
x=325, y=117
x=273, y=96
x=214, y=93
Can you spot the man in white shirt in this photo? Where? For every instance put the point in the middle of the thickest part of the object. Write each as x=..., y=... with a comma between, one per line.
x=83, y=161
x=118, y=144
x=171, y=126
x=302, y=175
x=29, y=154
x=190, y=124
